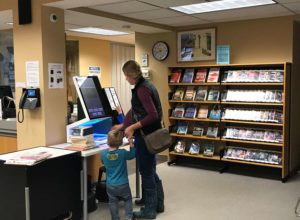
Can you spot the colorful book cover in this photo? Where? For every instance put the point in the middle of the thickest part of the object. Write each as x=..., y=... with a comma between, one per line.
x=175, y=76
x=203, y=111
x=213, y=75
x=189, y=93
x=178, y=94
x=201, y=94
x=200, y=75
x=188, y=76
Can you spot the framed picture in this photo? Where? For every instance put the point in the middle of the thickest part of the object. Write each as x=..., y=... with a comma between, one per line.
x=196, y=45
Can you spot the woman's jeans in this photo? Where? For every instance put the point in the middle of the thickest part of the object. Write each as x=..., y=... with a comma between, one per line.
x=116, y=193
x=146, y=163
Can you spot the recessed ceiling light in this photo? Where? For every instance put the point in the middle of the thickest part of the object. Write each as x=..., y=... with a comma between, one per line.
x=220, y=5
x=100, y=31
x=10, y=23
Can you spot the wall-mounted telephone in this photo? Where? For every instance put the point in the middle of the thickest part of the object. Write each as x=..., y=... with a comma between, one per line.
x=30, y=99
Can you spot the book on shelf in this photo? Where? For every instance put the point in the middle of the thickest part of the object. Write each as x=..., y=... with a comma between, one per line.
x=215, y=114
x=189, y=93
x=194, y=148
x=188, y=75
x=213, y=75
x=200, y=76
x=203, y=111
x=178, y=94
x=182, y=127
x=213, y=95
x=178, y=112
x=201, y=94
x=208, y=149
x=198, y=130
x=212, y=132
x=175, y=76
x=190, y=112
x=179, y=147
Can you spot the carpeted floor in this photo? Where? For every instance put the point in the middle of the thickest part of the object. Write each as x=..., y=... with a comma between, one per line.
x=193, y=193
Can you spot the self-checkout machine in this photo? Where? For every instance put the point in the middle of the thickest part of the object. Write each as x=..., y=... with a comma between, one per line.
x=98, y=106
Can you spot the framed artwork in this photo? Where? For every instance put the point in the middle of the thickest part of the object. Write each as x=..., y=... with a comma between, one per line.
x=197, y=45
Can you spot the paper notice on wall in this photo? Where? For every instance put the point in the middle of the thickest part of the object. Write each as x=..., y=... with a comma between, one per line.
x=56, y=75
x=32, y=74
x=94, y=71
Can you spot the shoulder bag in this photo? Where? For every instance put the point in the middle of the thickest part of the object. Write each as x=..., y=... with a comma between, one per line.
x=157, y=141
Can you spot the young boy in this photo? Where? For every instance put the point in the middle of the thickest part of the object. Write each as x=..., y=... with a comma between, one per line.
x=117, y=186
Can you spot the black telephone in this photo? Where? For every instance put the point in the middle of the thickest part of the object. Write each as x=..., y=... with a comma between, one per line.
x=30, y=98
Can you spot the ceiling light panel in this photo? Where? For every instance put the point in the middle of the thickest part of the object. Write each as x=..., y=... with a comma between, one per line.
x=220, y=5
x=99, y=31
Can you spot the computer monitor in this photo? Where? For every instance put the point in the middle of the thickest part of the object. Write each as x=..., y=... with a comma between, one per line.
x=91, y=97
x=5, y=91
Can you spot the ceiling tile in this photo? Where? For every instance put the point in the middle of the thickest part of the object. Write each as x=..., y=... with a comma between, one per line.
x=171, y=3
x=293, y=6
x=179, y=21
x=245, y=13
x=66, y=4
x=154, y=14
x=125, y=7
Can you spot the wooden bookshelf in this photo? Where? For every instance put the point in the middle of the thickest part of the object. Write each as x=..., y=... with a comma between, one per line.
x=221, y=143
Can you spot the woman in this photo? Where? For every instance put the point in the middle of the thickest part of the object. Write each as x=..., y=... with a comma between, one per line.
x=145, y=114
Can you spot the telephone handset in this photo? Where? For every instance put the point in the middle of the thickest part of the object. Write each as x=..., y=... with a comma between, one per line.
x=30, y=99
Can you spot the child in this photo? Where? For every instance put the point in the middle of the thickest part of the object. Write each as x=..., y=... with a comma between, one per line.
x=117, y=186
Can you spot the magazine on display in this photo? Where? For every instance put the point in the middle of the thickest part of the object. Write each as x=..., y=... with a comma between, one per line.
x=198, y=130
x=213, y=75
x=178, y=112
x=200, y=75
x=213, y=95
x=182, y=127
x=178, y=94
x=188, y=76
x=203, y=111
x=208, y=149
x=212, y=132
x=175, y=76
x=194, y=148
x=190, y=112
x=201, y=94
x=189, y=93
x=179, y=147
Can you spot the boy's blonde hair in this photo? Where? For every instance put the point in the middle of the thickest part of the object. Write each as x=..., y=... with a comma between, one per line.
x=115, y=138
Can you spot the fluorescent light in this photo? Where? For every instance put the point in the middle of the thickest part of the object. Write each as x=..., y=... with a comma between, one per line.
x=9, y=23
x=100, y=31
x=220, y=5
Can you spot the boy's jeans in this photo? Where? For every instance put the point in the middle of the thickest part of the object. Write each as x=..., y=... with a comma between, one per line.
x=116, y=193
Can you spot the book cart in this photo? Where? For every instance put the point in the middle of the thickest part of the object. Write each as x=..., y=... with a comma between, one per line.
x=252, y=126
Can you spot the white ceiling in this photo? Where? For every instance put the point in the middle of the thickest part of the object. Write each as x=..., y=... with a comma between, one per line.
x=152, y=16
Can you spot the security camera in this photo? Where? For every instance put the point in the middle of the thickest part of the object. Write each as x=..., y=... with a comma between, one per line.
x=53, y=18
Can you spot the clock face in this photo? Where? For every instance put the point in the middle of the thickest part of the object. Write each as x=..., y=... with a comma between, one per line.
x=160, y=50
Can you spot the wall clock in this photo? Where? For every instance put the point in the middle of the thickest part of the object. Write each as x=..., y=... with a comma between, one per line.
x=160, y=50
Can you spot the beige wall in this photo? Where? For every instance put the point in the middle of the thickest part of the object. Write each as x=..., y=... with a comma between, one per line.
x=255, y=41
x=94, y=52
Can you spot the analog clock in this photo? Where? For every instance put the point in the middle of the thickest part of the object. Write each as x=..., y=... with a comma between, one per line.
x=160, y=50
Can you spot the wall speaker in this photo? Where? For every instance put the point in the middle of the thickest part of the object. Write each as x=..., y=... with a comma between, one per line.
x=24, y=8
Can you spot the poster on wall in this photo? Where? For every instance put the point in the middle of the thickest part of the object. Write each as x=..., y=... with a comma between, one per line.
x=32, y=74
x=56, y=75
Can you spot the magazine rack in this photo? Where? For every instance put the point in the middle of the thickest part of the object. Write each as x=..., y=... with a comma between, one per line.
x=246, y=82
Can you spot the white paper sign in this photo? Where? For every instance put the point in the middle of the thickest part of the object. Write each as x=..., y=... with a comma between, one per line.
x=56, y=75
x=32, y=74
x=94, y=71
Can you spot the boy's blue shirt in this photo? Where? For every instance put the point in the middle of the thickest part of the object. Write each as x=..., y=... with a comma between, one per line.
x=116, y=166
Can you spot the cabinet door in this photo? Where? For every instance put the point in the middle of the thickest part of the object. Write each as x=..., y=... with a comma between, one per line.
x=7, y=144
